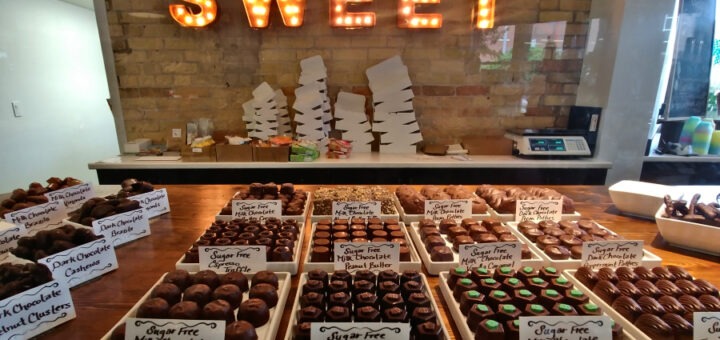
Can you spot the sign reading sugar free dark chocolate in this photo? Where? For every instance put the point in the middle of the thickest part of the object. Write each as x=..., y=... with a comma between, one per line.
x=457, y=210
x=706, y=325
x=225, y=259
x=173, y=329
x=563, y=327
x=258, y=209
x=82, y=263
x=538, y=210
x=613, y=254
x=73, y=196
x=373, y=256
x=155, y=202
x=491, y=255
x=42, y=216
x=124, y=227
x=9, y=235
x=359, y=330
x=348, y=210
x=35, y=311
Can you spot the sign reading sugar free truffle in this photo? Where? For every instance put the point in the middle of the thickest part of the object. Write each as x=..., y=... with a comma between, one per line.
x=154, y=202
x=73, y=196
x=563, y=327
x=36, y=310
x=613, y=254
x=258, y=209
x=457, y=210
x=348, y=210
x=82, y=263
x=359, y=330
x=123, y=228
x=225, y=259
x=491, y=255
x=42, y=216
x=706, y=325
x=538, y=210
x=174, y=329
x=373, y=256
x=9, y=235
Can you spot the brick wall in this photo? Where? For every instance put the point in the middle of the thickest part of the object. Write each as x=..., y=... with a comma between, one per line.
x=169, y=74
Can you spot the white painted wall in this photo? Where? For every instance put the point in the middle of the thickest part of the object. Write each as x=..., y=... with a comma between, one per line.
x=51, y=62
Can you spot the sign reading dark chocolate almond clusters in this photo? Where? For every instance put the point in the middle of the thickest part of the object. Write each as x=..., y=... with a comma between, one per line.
x=613, y=254
x=136, y=328
x=36, y=310
x=457, y=210
x=359, y=330
x=225, y=259
x=73, y=196
x=349, y=210
x=256, y=209
x=154, y=202
x=491, y=255
x=9, y=234
x=538, y=210
x=42, y=216
x=82, y=263
x=373, y=256
x=566, y=327
x=123, y=228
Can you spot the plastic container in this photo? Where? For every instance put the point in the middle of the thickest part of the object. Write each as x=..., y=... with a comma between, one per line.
x=715, y=143
x=702, y=136
x=686, y=136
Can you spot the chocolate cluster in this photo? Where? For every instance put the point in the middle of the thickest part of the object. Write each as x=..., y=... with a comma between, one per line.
x=35, y=194
x=504, y=200
x=659, y=301
x=48, y=242
x=17, y=278
x=387, y=296
x=324, y=197
x=438, y=238
x=357, y=230
x=293, y=200
x=100, y=207
x=563, y=240
x=413, y=202
x=279, y=237
x=694, y=211
x=132, y=187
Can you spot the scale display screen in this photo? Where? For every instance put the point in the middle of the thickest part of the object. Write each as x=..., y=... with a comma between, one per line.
x=547, y=144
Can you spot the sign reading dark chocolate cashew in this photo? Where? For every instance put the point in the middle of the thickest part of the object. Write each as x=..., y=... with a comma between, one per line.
x=82, y=263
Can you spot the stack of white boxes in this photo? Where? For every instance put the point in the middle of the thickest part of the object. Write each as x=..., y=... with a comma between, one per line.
x=351, y=120
x=261, y=113
x=283, y=118
x=312, y=106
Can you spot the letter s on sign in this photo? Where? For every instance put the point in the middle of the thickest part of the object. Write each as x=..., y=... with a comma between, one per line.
x=185, y=17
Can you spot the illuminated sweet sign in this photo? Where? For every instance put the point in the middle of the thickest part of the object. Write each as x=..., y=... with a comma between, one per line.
x=485, y=14
x=185, y=16
x=341, y=17
x=407, y=18
x=258, y=12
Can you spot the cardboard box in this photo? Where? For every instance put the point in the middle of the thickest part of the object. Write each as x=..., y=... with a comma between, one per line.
x=491, y=145
x=204, y=154
x=234, y=153
x=271, y=154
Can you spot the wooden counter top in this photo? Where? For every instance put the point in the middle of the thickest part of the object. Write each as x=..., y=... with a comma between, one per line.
x=102, y=302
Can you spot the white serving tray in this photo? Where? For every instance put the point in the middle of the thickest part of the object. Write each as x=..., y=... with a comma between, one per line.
x=408, y=218
x=299, y=218
x=265, y=332
x=639, y=199
x=435, y=267
x=688, y=235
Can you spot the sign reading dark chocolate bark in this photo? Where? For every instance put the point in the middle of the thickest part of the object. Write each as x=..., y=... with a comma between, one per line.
x=564, y=327
x=9, y=235
x=359, y=330
x=491, y=255
x=706, y=325
x=123, y=228
x=349, y=210
x=613, y=254
x=174, y=329
x=538, y=210
x=225, y=259
x=457, y=210
x=82, y=263
x=155, y=203
x=257, y=209
x=73, y=196
x=373, y=256
x=36, y=310
x=42, y=216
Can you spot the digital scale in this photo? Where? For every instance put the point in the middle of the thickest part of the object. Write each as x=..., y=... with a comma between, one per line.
x=549, y=143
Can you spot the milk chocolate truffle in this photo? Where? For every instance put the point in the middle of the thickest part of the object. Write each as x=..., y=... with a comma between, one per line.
x=240, y=330
x=654, y=327
x=254, y=311
x=265, y=292
x=168, y=291
x=206, y=277
x=230, y=293
x=199, y=293
x=185, y=310
x=651, y=306
x=441, y=254
x=235, y=278
x=627, y=307
x=313, y=299
x=265, y=276
x=682, y=329
x=556, y=252
x=218, y=310
x=310, y=314
x=179, y=277
x=153, y=308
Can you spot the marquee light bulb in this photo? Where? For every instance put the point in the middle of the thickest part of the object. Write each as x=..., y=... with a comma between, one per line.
x=185, y=17
x=485, y=17
x=341, y=17
x=407, y=18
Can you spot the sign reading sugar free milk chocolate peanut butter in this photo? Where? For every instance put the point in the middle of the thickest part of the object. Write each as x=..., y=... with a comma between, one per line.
x=349, y=210
x=73, y=196
x=174, y=329
x=457, y=210
x=258, y=209
x=9, y=235
x=124, y=227
x=42, y=216
x=613, y=254
x=36, y=310
x=359, y=330
x=491, y=255
x=706, y=325
x=154, y=202
x=225, y=259
x=564, y=327
x=373, y=256
x=82, y=263
x=538, y=210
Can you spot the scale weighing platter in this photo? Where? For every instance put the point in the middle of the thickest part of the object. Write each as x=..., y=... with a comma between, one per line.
x=549, y=143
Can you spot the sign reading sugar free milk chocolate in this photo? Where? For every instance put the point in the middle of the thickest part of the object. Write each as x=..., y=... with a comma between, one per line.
x=244, y=259
x=538, y=210
x=613, y=254
x=36, y=310
x=9, y=235
x=373, y=256
x=491, y=255
x=348, y=210
x=42, y=216
x=82, y=263
x=174, y=329
x=457, y=210
x=124, y=227
x=258, y=209
x=566, y=327
x=359, y=330
x=154, y=202
x=706, y=325
x=73, y=196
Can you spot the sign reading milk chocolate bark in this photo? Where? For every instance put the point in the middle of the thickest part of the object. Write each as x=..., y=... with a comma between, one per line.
x=36, y=310
x=226, y=259
x=174, y=329
x=373, y=256
x=349, y=210
x=42, y=216
x=359, y=330
x=560, y=327
x=9, y=234
x=155, y=203
x=123, y=228
x=257, y=209
x=491, y=255
x=613, y=254
x=82, y=263
x=538, y=210
x=73, y=196
x=457, y=210
x=706, y=325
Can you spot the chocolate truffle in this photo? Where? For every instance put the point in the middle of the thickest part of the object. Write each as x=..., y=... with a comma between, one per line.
x=415, y=300
x=663, y=273
x=313, y=299
x=339, y=299
x=496, y=298
x=647, y=288
x=477, y=313
x=626, y=274
x=441, y=254
x=462, y=285
x=556, y=252
x=651, y=306
x=586, y=276
x=342, y=275
x=428, y=331
x=366, y=299
x=206, y=277
x=489, y=330
x=179, y=277
x=240, y=330
x=236, y=278
x=199, y=293
x=185, y=310
x=218, y=310
x=366, y=275
x=391, y=300
x=338, y=314
x=315, y=286
x=671, y=305
x=265, y=276
x=363, y=286
x=682, y=329
x=711, y=302
x=389, y=275
x=688, y=287
x=337, y=286
x=254, y=311
x=320, y=254
x=523, y=297
x=395, y=314
x=606, y=291
x=645, y=274
x=265, y=292
x=168, y=291
x=153, y=308
x=627, y=288
x=606, y=273
x=230, y=293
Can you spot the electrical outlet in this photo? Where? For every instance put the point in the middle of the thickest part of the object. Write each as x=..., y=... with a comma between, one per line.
x=177, y=133
x=16, y=109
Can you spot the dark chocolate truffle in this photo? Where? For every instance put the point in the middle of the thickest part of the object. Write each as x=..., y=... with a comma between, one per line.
x=179, y=277
x=185, y=310
x=153, y=308
x=236, y=278
x=254, y=311
x=206, y=277
x=218, y=310
x=265, y=292
x=199, y=293
x=230, y=293
x=168, y=291
x=240, y=330
x=265, y=276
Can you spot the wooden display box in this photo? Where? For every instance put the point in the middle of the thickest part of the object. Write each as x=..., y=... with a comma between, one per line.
x=271, y=154
x=204, y=154
x=234, y=153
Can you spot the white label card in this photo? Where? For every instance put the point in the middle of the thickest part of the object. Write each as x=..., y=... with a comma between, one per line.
x=82, y=263
x=123, y=228
x=613, y=254
x=348, y=210
x=538, y=210
x=174, y=329
x=706, y=325
x=566, y=328
x=9, y=235
x=42, y=216
x=373, y=256
x=457, y=210
x=155, y=202
x=491, y=255
x=36, y=310
x=225, y=259
x=359, y=330
x=73, y=196
x=258, y=209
